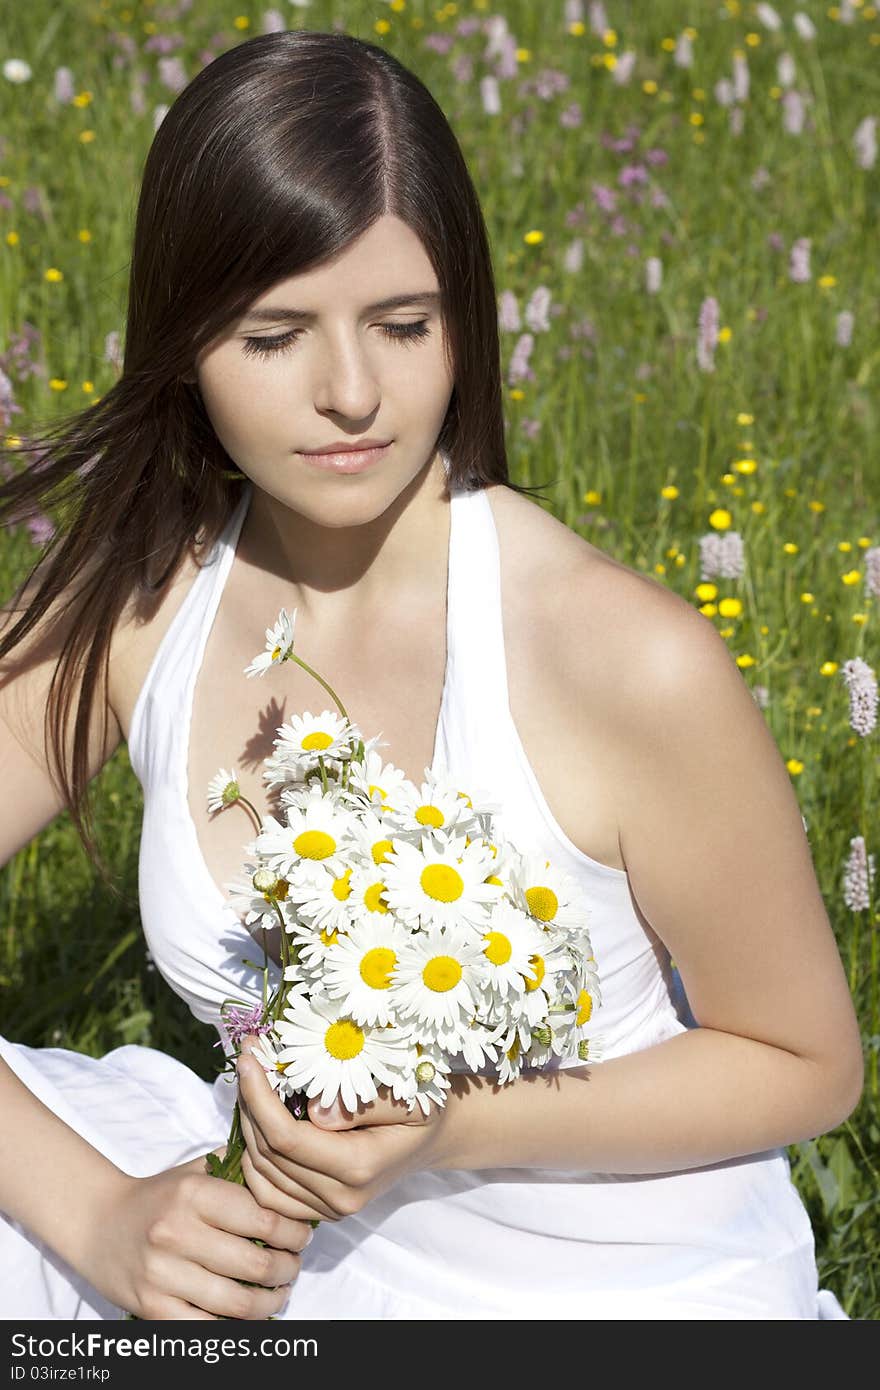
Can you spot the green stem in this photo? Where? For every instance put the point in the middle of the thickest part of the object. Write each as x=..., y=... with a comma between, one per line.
x=320, y=679
x=253, y=810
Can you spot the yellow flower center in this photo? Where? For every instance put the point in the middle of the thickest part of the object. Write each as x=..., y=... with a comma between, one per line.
x=513, y=1052
x=279, y=891
x=543, y=903
x=584, y=1007
x=442, y=883
x=376, y=967
x=344, y=1040
x=314, y=844
x=317, y=739
x=329, y=938
x=373, y=898
x=429, y=815
x=537, y=963
x=342, y=886
x=276, y=653
x=381, y=851
x=493, y=878
x=373, y=788
x=498, y=948
x=441, y=974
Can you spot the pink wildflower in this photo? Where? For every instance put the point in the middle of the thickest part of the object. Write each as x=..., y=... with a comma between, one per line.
x=708, y=334
x=862, y=685
x=239, y=1022
x=858, y=876
x=872, y=570
x=799, y=263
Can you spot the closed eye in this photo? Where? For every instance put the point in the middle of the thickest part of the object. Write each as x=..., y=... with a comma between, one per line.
x=402, y=332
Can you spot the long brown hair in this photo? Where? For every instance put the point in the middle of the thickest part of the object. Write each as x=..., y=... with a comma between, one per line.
x=274, y=158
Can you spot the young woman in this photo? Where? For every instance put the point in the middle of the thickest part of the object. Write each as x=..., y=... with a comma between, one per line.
x=311, y=272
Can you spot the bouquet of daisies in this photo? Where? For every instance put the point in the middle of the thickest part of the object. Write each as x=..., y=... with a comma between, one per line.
x=412, y=934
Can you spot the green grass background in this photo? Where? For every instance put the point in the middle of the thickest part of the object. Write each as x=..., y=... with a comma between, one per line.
x=616, y=406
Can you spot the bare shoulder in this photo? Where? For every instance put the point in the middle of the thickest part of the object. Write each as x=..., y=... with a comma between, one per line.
x=710, y=829
x=609, y=625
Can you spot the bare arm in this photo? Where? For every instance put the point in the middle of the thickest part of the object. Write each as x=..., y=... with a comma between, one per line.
x=43, y=1165
x=182, y=1241
x=718, y=863
x=42, y=1160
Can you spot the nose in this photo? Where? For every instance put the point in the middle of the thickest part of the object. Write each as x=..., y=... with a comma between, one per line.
x=346, y=381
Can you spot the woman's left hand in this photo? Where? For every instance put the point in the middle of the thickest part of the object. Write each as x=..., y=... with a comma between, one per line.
x=335, y=1165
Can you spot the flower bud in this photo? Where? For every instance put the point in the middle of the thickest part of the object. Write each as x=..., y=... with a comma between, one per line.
x=542, y=1035
x=584, y=1050
x=425, y=1071
x=264, y=880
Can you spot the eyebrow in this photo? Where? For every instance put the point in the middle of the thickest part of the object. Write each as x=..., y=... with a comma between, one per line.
x=271, y=314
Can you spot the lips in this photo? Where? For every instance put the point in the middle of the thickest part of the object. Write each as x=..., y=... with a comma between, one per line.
x=350, y=446
x=347, y=461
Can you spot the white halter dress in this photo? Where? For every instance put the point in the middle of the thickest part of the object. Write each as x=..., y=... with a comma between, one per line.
x=729, y=1240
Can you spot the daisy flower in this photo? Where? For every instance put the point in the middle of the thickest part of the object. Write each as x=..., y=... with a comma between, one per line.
x=275, y=1063
x=442, y=882
x=513, y=1050
x=372, y=833
x=548, y=968
x=324, y=898
x=435, y=805
x=223, y=789
x=17, y=70
x=251, y=904
x=307, y=736
x=478, y=801
x=312, y=942
x=378, y=781
x=511, y=941
x=279, y=645
x=549, y=896
x=298, y=776
x=358, y=966
x=328, y=1054
x=316, y=833
x=437, y=983
x=478, y=1045
x=583, y=997
x=424, y=1081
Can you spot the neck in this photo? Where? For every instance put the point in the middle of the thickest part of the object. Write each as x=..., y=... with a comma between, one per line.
x=336, y=574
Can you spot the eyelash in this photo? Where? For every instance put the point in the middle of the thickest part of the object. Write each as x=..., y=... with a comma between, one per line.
x=266, y=347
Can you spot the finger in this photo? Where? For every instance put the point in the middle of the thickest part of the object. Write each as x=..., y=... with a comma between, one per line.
x=385, y=1110
x=299, y=1206
x=306, y=1145
x=235, y=1258
x=175, y=1309
x=230, y=1208
x=227, y=1297
x=281, y=1176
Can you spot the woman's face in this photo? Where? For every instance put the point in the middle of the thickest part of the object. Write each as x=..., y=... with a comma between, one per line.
x=276, y=385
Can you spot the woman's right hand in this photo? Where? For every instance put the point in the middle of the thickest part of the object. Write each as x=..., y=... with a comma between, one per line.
x=175, y=1245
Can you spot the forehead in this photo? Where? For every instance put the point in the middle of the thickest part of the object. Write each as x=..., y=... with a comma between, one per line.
x=385, y=261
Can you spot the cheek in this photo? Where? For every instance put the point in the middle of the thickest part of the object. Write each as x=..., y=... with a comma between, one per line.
x=240, y=405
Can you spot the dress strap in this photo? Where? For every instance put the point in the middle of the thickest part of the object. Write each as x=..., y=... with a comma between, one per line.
x=479, y=664
x=171, y=676
x=213, y=580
